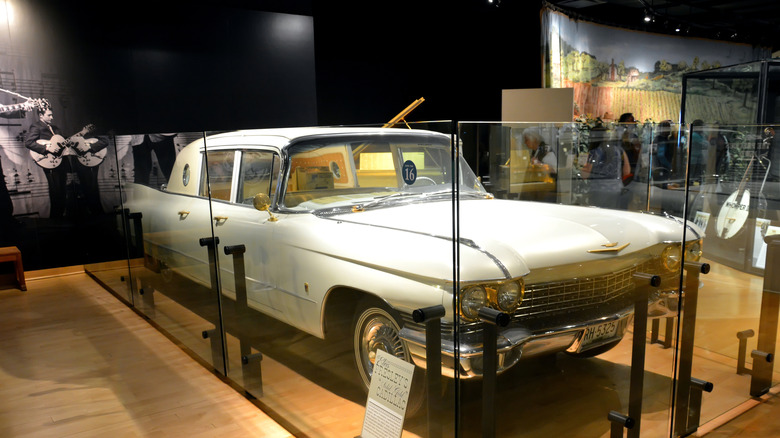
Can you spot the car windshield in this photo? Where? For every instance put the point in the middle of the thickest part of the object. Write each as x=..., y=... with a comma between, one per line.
x=372, y=171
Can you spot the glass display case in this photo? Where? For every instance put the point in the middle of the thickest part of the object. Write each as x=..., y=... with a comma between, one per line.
x=538, y=293
x=735, y=157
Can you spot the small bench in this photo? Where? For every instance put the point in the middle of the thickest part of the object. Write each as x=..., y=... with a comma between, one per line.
x=12, y=254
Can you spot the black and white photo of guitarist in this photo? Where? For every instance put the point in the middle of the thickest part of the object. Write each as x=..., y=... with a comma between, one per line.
x=39, y=140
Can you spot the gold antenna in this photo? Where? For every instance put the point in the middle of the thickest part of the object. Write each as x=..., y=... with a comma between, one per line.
x=400, y=117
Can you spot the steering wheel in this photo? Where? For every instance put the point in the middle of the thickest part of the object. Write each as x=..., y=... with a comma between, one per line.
x=425, y=178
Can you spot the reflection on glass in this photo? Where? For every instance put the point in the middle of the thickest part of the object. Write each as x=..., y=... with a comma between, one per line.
x=575, y=319
x=172, y=275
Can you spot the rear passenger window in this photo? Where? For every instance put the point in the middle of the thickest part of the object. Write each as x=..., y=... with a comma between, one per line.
x=258, y=174
x=220, y=175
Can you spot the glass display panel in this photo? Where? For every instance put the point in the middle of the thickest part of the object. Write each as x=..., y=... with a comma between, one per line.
x=173, y=260
x=327, y=245
x=111, y=265
x=736, y=204
x=329, y=240
x=728, y=95
x=567, y=225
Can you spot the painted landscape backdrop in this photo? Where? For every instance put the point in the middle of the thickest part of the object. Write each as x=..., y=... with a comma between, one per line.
x=614, y=71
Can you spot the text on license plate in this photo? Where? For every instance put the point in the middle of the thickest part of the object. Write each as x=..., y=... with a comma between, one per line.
x=598, y=332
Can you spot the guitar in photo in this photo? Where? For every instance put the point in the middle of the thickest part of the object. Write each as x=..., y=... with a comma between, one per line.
x=28, y=105
x=76, y=144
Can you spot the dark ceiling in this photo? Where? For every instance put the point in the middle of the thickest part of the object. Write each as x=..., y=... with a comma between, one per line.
x=756, y=22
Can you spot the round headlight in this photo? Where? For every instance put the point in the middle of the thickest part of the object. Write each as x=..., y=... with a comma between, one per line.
x=472, y=299
x=693, y=251
x=509, y=296
x=671, y=257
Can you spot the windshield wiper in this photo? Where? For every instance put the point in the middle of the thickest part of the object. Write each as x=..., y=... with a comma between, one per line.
x=382, y=199
x=421, y=195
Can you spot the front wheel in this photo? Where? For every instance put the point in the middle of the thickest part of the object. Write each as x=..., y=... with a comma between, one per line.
x=374, y=328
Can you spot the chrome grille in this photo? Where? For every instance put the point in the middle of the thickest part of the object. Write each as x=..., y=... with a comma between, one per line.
x=573, y=294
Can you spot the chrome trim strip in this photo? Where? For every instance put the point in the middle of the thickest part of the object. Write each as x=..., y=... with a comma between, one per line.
x=466, y=242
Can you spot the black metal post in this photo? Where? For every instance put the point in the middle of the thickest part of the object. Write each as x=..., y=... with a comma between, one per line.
x=619, y=422
x=636, y=389
x=431, y=316
x=216, y=347
x=251, y=363
x=668, y=335
x=492, y=318
x=655, y=329
x=216, y=335
x=694, y=411
x=683, y=398
x=139, y=231
x=763, y=363
x=239, y=273
x=147, y=296
x=742, y=352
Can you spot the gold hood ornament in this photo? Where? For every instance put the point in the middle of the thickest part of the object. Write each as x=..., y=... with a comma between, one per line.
x=610, y=247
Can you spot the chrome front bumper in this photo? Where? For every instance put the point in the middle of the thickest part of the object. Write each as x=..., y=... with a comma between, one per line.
x=515, y=340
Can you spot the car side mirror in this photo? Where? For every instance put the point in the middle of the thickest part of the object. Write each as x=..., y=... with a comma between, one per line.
x=262, y=202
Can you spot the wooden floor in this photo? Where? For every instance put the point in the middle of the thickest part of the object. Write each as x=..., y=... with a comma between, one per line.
x=75, y=361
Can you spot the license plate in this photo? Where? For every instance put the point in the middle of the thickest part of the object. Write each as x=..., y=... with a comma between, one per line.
x=599, y=332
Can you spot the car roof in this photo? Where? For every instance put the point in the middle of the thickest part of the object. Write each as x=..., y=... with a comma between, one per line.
x=281, y=137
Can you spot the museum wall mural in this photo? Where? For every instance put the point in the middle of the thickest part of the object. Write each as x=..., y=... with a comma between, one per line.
x=615, y=71
x=62, y=161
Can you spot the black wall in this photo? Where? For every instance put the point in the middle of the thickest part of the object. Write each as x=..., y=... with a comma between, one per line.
x=190, y=66
x=141, y=67
x=375, y=58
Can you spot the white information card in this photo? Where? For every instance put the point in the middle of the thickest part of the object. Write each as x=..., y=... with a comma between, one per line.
x=391, y=382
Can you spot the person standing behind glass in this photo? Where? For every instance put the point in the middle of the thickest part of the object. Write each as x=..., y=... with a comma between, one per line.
x=698, y=152
x=541, y=155
x=543, y=166
x=605, y=168
x=630, y=140
x=720, y=144
x=664, y=151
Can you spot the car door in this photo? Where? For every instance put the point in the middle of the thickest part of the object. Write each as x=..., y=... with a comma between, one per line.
x=237, y=222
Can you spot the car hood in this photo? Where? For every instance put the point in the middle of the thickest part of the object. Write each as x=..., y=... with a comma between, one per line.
x=527, y=235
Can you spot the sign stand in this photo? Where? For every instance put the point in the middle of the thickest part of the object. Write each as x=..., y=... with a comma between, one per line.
x=388, y=395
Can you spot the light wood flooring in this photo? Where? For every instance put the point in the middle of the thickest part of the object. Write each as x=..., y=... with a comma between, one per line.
x=75, y=361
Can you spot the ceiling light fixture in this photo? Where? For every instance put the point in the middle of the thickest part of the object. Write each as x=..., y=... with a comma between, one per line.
x=648, y=17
